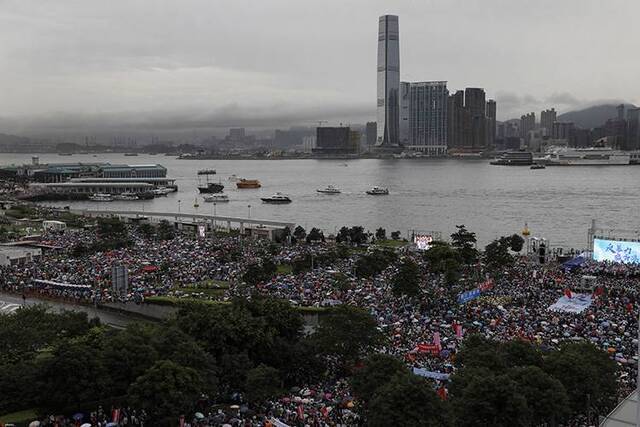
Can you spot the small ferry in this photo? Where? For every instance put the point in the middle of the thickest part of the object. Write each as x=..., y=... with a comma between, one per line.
x=207, y=172
x=378, y=191
x=329, y=189
x=233, y=178
x=537, y=166
x=217, y=198
x=101, y=197
x=248, y=183
x=211, y=187
x=162, y=191
x=130, y=154
x=277, y=198
x=513, y=158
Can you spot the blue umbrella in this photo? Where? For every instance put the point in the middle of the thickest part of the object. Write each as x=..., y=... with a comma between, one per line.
x=79, y=416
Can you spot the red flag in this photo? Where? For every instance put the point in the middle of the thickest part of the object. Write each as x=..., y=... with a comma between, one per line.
x=458, y=329
x=436, y=340
x=442, y=392
x=568, y=293
x=115, y=415
x=300, y=412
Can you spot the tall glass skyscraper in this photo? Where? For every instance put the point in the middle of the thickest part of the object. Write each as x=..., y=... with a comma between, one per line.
x=388, y=82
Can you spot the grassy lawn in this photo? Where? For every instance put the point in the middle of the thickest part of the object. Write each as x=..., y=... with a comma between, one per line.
x=21, y=417
x=207, y=291
x=284, y=269
x=211, y=284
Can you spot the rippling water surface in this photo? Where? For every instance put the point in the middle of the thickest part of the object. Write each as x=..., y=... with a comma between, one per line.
x=557, y=203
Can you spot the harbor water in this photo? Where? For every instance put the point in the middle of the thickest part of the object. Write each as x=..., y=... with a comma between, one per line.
x=557, y=203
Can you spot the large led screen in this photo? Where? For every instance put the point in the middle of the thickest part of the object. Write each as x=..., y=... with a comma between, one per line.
x=616, y=251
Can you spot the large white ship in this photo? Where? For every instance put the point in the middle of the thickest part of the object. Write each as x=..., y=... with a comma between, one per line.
x=591, y=156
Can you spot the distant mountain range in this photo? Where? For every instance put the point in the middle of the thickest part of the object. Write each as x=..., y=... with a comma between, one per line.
x=12, y=139
x=593, y=116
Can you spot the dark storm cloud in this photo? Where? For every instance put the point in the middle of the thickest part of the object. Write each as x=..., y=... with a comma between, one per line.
x=70, y=64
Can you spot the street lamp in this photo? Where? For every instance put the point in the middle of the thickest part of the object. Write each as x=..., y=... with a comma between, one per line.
x=179, y=201
x=214, y=215
x=249, y=216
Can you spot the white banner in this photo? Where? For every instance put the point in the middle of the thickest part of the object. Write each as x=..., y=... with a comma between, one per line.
x=577, y=304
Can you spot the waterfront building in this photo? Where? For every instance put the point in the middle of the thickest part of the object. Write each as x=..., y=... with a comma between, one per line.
x=633, y=129
x=456, y=114
x=60, y=172
x=492, y=111
x=423, y=117
x=371, y=130
x=527, y=124
x=237, y=134
x=336, y=141
x=388, y=91
x=562, y=130
x=547, y=118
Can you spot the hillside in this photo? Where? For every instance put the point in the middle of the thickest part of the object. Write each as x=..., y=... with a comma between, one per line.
x=592, y=116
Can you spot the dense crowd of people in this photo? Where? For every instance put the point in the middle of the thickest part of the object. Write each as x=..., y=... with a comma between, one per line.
x=425, y=331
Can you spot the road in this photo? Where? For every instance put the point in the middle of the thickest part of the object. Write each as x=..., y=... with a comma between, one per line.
x=110, y=318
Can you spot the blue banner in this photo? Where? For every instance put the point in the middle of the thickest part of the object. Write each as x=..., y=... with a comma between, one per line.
x=468, y=296
x=431, y=374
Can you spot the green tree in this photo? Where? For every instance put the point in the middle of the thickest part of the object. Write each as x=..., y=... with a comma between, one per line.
x=299, y=233
x=315, y=235
x=442, y=258
x=343, y=235
x=406, y=400
x=71, y=375
x=407, y=280
x=546, y=396
x=263, y=382
x=395, y=235
x=377, y=371
x=517, y=242
x=587, y=373
x=347, y=333
x=492, y=401
x=165, y=230
x=520, y=353
x=480, y=352
x=112, y=229
x=375, y=262
x=357, y=236
x=464, y=242
x=381, y=233
x=146, y=230
x=165, y=391
x=496, y=254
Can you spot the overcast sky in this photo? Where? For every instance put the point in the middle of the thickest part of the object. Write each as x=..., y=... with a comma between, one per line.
x=259, y=63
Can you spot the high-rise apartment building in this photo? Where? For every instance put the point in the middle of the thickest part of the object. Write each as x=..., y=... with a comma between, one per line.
x=370, y=132
x=562, y=130
x=388, y=114
x=633, y=129
x=527, y=124
x=455, y=120
x=423, y=117
x=492, y=110
x=475, y=102
x=547, y=118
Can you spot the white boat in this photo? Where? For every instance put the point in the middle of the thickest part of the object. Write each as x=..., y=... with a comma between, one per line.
x=591, y=156
x=277, y=198
x=378, y=191
x=163, y=191
x=218, y=198
x=126, y=196
x=329, y=189
x=234, y=178
x=101, y=197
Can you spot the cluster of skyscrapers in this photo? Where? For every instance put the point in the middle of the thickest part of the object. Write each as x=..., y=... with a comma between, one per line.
x=423, y=116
